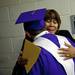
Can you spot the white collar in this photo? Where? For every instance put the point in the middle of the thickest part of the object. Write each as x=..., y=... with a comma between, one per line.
x=40, y=34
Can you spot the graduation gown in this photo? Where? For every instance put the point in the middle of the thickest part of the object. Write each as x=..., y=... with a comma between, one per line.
x=46, y=63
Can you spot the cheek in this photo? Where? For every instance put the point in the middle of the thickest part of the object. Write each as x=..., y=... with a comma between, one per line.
x=47, y=24
x=56, y=26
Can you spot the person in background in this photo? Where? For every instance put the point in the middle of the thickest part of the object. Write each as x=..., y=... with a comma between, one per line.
x=52, y=21
x=52, y=24
x=47, y=62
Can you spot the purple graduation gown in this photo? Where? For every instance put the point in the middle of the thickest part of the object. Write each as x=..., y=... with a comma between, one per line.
x=46, y=63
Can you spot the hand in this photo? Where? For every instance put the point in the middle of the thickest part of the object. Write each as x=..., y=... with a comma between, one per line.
x=67, y=52
x=21, y=61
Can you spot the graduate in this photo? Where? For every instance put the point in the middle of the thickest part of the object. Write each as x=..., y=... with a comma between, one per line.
x=47, y=61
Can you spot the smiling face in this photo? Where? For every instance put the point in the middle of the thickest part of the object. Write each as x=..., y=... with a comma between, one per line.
x=51, y=26
x=52, y=21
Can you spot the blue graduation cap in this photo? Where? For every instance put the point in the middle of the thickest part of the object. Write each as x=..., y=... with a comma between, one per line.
x=33, y=20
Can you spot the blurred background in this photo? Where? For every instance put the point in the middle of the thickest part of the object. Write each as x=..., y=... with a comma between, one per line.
x=12, y=35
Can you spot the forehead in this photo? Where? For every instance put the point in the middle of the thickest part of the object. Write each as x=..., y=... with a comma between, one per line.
x=49, y=20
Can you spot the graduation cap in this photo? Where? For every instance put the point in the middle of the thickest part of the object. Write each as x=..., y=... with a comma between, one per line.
x=33, y=20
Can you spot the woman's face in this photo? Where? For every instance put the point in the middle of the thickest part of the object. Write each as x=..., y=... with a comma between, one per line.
x=51, y=26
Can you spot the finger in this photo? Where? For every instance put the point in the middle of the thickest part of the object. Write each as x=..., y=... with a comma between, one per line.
x=66, y=44
x=63, y=49
x=66, y=58
x=62, y=55
x=64, y=52
x=65, y=55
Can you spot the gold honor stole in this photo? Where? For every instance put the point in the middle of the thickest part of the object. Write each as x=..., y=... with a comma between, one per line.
x=30, y=53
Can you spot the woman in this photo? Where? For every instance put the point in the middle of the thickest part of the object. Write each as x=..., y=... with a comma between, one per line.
x=52, y=21
x=52, y=24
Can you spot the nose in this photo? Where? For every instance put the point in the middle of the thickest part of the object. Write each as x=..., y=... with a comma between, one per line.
x=51, y=23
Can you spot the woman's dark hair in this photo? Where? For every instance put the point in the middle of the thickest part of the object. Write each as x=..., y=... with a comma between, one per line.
x=53, y=14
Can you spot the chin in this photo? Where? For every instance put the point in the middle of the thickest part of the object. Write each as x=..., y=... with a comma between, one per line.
x=52, y=32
